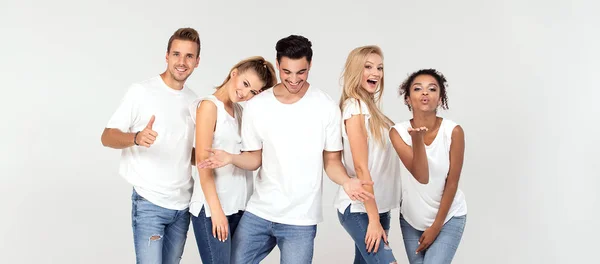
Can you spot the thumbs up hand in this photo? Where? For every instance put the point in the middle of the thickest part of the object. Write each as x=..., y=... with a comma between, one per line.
x=147, y=136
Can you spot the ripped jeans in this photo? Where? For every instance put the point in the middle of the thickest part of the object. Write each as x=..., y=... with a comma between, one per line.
x=356, y=226
x=159, y=234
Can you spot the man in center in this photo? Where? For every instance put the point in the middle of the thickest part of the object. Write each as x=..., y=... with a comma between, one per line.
x=292, y=132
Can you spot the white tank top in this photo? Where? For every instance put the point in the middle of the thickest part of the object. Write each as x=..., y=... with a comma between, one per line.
x=383, y=164
x=420, y=202
x=234, y=185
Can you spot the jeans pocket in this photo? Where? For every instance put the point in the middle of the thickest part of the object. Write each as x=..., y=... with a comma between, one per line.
x=344, y=216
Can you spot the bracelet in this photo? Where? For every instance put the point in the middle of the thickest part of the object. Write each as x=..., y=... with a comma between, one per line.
x=135, y=137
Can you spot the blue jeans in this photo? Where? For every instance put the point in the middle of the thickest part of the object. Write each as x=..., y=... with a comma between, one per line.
x=356, y=225
x=256, y=237
x=444, y=246
x=211, y=249
x=159, y=234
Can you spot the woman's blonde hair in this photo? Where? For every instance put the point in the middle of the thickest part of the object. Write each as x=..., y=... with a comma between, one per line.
x=352, y=76
x=264, y=70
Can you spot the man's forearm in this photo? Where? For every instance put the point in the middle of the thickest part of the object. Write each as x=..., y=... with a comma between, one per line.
x=336, y=171
x=248, y=160
x=114, y=138
x=332, y=163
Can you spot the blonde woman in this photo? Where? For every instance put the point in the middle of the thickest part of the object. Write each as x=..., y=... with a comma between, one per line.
x=368, y=155
x=220, y=195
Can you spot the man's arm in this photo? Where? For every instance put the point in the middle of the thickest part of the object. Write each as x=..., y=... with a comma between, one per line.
x=247, y=160
x=115, y=138
x=332, y=163
x=124, y=118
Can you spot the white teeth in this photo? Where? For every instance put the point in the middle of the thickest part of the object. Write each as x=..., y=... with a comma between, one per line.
x=180, y=69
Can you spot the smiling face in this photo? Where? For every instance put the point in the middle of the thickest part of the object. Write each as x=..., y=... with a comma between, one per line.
x=182, y=59
x=424, y=94
x=293, y=73
x=244, y=85
x=372, y=73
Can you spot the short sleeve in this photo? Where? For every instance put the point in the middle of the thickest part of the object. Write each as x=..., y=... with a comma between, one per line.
x=251, y=141
x=402, y=129
x=126, y=114
x=333, y=139
x=353, y=107
x=193, y=107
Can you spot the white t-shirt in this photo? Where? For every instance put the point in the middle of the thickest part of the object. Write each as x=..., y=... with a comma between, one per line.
x=420, y=202
x=162, y=173
x=288, y=188
x=233, y=184
x=383, y=164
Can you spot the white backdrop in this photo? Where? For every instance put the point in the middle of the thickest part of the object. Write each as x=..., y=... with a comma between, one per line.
x=523, y=84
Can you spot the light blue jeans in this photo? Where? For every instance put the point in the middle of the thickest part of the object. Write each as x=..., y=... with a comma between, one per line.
x=256, y=237
x=356, y=225
x=159, y=234
x=444, y=246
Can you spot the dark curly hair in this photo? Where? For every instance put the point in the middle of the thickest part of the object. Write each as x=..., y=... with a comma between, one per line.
x=439, y=78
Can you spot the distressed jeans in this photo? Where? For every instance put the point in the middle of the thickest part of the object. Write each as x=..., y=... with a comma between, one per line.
x=159, y=234
x=356, y=225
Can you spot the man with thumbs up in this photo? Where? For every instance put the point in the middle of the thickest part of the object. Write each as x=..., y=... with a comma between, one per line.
x=147, y=136
x=153, y=128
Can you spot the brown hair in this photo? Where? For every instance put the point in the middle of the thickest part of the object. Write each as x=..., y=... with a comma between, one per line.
x=263, y=69
x=189, y=34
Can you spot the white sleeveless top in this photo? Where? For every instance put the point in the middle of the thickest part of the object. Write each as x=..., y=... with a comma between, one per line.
x=421, y=202
x=233, y=184
x=383, y=164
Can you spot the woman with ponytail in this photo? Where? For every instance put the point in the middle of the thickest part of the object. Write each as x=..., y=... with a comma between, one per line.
x=220, y=195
